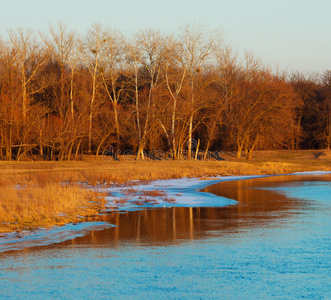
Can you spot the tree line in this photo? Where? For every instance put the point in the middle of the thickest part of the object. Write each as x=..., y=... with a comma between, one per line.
x=62, y=95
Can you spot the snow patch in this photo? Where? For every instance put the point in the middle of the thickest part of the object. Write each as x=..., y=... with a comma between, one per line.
x=53, y=235
x=184, y=192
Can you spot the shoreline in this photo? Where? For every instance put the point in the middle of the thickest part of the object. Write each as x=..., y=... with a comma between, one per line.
x=187, y=192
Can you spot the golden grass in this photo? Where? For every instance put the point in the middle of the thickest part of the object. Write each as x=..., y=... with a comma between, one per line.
x=98, y=172
x=152, y=193
x=31, y=207
x=43, y=198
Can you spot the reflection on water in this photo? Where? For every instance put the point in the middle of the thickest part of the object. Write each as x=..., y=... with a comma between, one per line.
x=257, y=206
x=175, y=252
x=174, y=225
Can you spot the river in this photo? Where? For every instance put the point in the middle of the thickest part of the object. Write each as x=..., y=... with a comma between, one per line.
x=273, y=244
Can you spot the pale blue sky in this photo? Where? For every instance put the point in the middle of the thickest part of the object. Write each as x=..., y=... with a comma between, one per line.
x=295, y=34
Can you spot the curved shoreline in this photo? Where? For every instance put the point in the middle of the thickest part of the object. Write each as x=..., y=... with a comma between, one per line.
x=188, y=192
x=271, y=178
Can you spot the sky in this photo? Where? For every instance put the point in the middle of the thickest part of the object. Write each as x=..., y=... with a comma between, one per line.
x=294, y=35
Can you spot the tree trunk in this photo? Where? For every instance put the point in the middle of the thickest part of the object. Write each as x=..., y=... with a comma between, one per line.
x=190, y=129
x=9, y=148
x=140, y=152
x=101, y=143
x=240, y=145
x=251, y=149
x=90, y=133
x=91, y=108
x=206, y=150
x=239, y=150
x=249, y=154
x=189, y=144
x=24, y=97
x=8, y=153
x=71, y=95
x=41, y=150
x=77, y=149
x=117, y=127
x=173, y=120
x=166, y=133
x=197, y=150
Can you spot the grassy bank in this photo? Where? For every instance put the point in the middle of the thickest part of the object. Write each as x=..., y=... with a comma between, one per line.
x=48, y=192
x=31, y=207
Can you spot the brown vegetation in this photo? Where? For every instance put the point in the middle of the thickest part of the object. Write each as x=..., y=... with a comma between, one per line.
x=153, y=193
x=37, y=194
x=31, y=207
x=64, y=95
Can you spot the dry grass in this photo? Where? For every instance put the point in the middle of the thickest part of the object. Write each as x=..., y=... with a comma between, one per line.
x=96, y=172
x=31, y=207
x=44, y=199
x=152, y=193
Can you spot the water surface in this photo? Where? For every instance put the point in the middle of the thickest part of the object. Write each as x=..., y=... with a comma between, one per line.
x=275, y=243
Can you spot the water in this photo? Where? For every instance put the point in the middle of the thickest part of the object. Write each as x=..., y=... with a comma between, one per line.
x=275, y=243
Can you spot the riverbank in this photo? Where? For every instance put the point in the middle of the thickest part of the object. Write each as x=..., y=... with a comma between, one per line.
x=31, y=206
x=184, y=193
x=43, y=194
x=145, y=195
x=267, y=246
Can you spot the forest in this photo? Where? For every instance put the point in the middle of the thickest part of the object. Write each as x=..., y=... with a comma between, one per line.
x=63, y=95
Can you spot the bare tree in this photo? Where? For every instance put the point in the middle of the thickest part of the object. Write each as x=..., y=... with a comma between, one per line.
x=113, y=69
x=92, y=50
x=197, y=46
x=133, y=58
x=175, y=75
x=10, y=112
x=227, y=69
x=29, y=58
x=146, y=57
x=61, y=44
x=262, y=101
x=64, y=95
